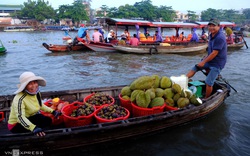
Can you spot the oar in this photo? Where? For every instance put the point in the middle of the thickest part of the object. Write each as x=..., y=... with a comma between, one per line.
x=244, y=41
x=220, y=78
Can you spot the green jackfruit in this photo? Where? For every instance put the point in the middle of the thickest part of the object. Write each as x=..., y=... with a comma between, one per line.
x=183, y=102
x=183, y=94
x=176, y=88
x=143, y=82
x=126, y=91
x=189, y=94
x=165, y=82
x=159, y=92
x=158, y=101
x=151, y=92
x=195, y=101
x=125, y=97
x=170, y=102
x=168, y=93
x=176, y=97
x=157, y=81
x=134, y=94
x=143, y=99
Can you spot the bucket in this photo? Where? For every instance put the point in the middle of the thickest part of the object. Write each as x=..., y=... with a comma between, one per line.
x=180, y=80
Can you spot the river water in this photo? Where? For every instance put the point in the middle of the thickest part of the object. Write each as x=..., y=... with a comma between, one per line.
x=224, y=132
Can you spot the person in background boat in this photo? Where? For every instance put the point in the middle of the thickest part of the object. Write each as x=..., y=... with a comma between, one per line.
x=111, y=36
x=102, y=32
x=229, y=34
x=181, y=36
x=147, y=34
x=25, y=109
x=83, y=33
x=96, y=36
x=195, y=37
x=158, y=37
x=134, y=41
x=216, y=59
x=126, y=35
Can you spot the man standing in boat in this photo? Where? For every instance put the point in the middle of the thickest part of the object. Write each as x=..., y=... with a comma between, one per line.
x=82, y=32
x=216, y=59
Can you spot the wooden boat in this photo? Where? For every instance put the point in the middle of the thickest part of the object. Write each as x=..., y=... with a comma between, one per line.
x=235, y=46
x=18, y=28
x=65, y=48
x=2, y=48
x=94, y=134
x=161, y=49
x=100, y=47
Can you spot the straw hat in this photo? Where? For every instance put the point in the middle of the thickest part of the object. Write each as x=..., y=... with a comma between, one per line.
x=27, y=77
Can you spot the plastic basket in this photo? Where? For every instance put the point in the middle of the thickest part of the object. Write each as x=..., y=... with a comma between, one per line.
x=139, y=111
x=169, y=108
x=75, y=121
x=1, y=116
x=55, y=121
x=101, y=120
x=125, y=103
x=97, y=107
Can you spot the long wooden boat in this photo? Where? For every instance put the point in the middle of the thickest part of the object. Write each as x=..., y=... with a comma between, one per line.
x=100, y=47
x=2, y=48
x=18, y=28
x=65, y=48
x=155, y=49
x=94, y=134
x=235, y=46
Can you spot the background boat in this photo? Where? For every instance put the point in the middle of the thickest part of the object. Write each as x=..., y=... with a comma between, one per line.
x=2, y=48
x=18, y=28
x=161, y=49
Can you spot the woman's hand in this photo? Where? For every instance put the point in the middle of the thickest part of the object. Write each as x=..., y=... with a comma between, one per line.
x=38, y=132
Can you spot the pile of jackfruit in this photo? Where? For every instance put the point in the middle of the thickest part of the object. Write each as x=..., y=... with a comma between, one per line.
x=152, y=91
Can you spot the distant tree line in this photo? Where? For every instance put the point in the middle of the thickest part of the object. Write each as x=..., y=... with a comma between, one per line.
x=41, y=10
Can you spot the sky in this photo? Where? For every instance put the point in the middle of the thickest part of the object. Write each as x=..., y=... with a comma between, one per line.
x=180, y=5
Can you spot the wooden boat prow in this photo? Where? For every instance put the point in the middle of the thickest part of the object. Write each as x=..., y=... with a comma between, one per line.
x=64, y=48
x=64, y=138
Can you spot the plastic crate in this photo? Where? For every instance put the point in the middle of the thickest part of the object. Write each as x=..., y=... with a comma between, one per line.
x=55, y=121
x=139, y=111
x=1, y=116
x=125, y=103
x=97, y=107
x=101, y=120
x=169, y=108
x=70, y=121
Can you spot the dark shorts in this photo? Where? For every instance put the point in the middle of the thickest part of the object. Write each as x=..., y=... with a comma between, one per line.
x=212, y=75
x=39, y=120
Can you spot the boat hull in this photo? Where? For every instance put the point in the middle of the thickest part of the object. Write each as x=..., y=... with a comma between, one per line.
x=94, y=134
x=65, y=48
x=101, y=47
x=235, y=46
x=179, y=49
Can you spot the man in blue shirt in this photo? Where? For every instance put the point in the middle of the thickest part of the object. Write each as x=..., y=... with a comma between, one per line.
x=216, y=58
x=83, y=32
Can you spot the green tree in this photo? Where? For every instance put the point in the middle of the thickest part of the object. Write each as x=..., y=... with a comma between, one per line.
x=38, y=10
x=76, y=12
x=145, y=9
x=206, y=15
x=191, y=15
x=166, y=13
x=246, y=13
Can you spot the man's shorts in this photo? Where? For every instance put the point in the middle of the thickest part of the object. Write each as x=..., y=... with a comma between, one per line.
x=212, y=75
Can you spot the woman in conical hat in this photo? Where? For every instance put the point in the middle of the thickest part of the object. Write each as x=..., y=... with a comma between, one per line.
x=25, y=109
